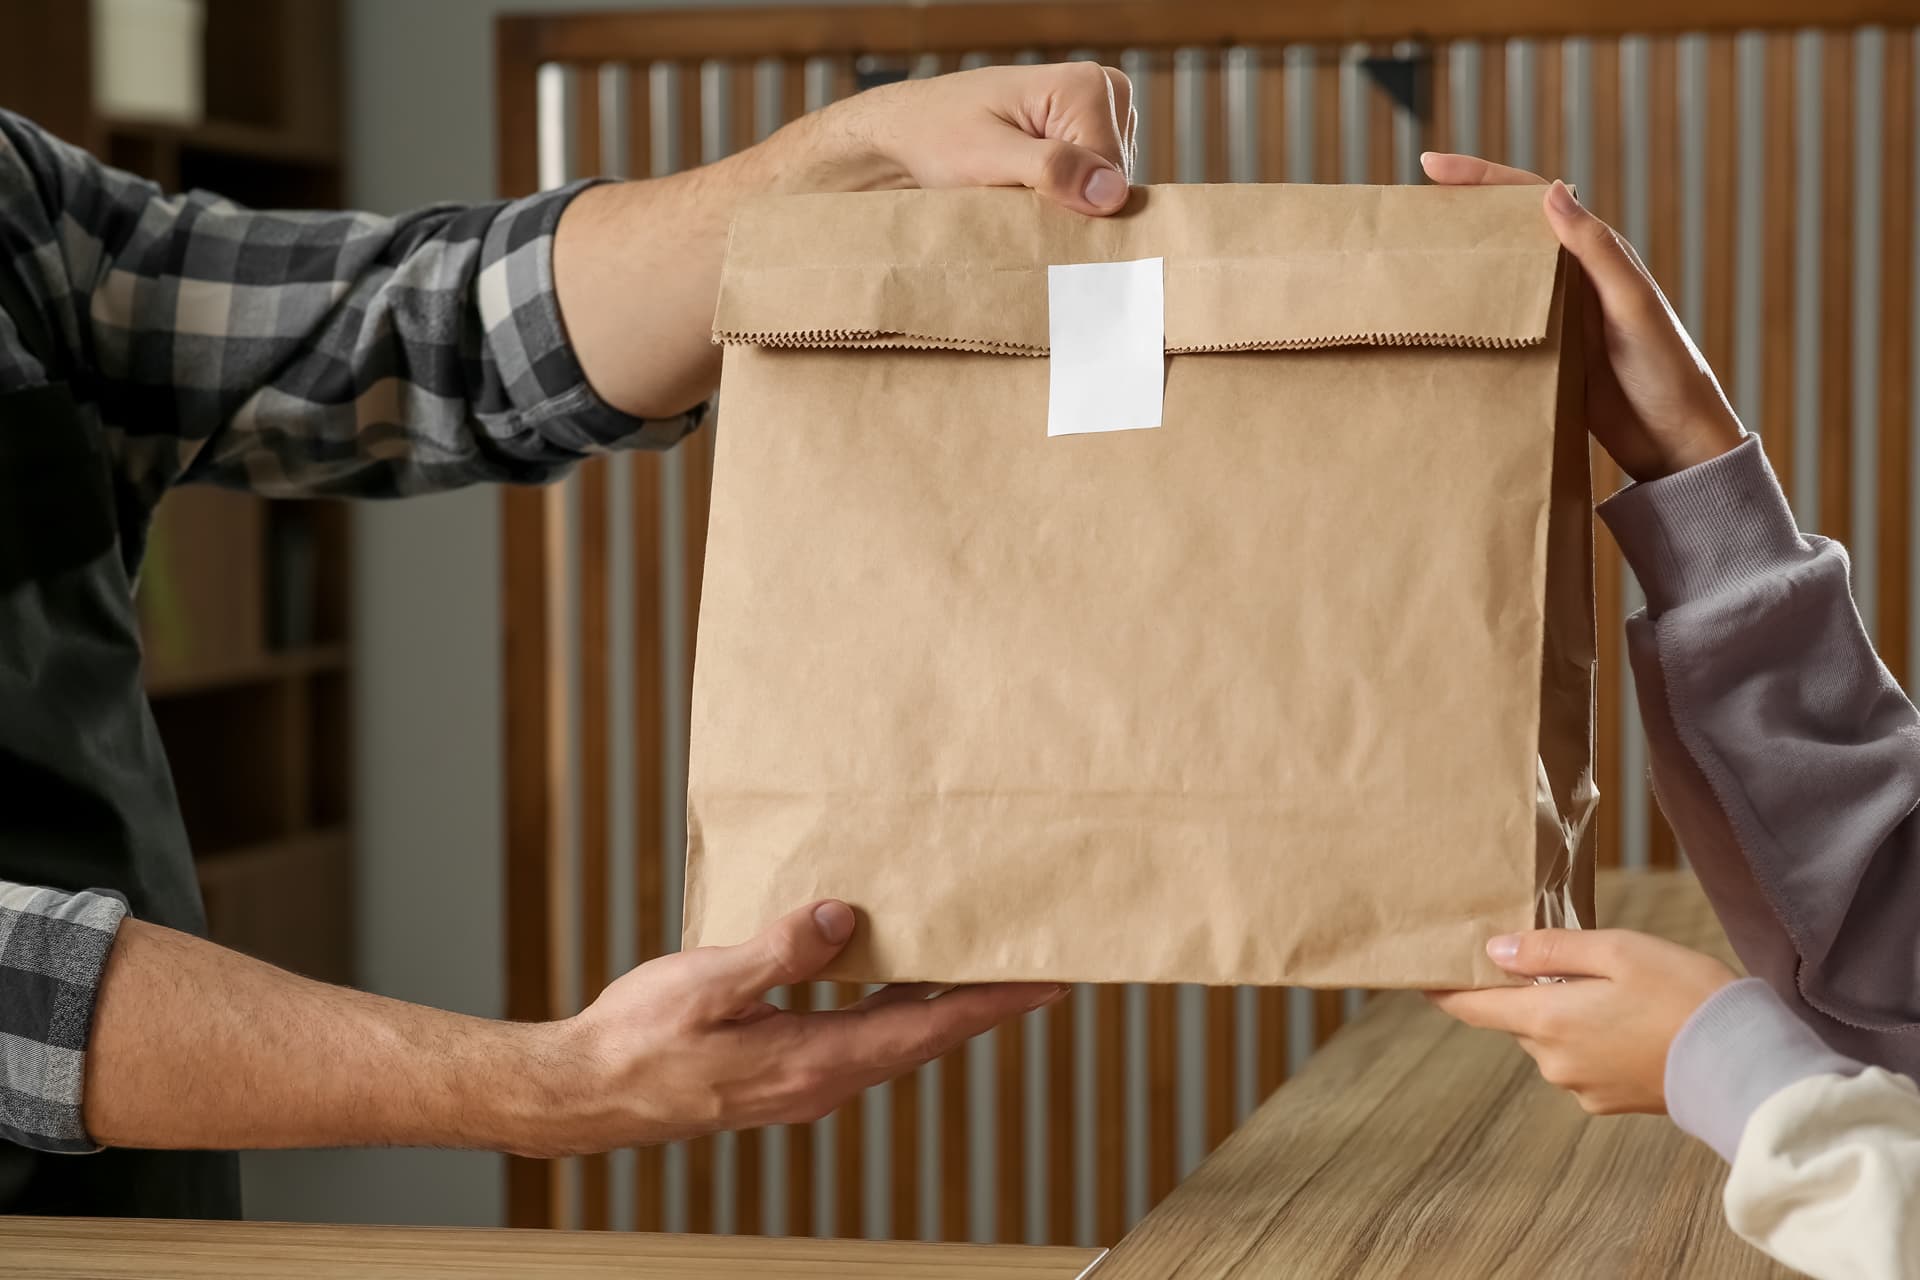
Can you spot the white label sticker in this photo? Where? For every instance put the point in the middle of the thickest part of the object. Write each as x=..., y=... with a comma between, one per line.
x=1106, y=337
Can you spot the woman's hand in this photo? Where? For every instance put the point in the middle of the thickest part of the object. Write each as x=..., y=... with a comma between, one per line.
x=1652, y=402
x=1604, y=1035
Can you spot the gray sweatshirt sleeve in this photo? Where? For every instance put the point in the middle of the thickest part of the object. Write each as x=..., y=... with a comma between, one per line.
x=1788, y=760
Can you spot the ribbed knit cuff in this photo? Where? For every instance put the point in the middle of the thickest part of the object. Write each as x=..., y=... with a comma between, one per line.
x=1699, y=531
x=1737, y=1050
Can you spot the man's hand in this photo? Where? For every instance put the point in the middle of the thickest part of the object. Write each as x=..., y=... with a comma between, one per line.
x=1652, y=402
x=687, y=1044
x=1604, y=1034
x=195, y=1046
x=637, y=264
x=1065, y=131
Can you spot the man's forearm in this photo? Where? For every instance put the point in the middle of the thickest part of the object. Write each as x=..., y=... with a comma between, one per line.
x=637, y=264
x=195, y=1046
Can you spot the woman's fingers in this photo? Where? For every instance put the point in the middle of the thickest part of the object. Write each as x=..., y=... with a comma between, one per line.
x=1454, y=170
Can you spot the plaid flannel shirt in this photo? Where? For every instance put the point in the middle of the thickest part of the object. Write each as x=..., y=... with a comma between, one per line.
x=294, y=354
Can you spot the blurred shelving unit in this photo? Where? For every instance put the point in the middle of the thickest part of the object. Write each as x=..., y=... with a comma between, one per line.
x=244, y=602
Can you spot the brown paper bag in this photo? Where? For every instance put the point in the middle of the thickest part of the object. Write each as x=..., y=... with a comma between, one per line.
x=1294, y=688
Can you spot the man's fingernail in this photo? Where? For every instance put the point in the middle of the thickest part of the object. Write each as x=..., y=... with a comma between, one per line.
x=1503, y=948
x=1560, y=196
x=1106, y=189
x=834, y=920
x=1051, y=996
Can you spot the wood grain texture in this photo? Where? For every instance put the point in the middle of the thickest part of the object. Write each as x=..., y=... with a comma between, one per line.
x=1778, y=288
x=1896, y=356
x=1138, y=24
x=1836, y=285
x=73, y=1248
x=1608, y=566
x=1413, y=1145
x=1662, y=256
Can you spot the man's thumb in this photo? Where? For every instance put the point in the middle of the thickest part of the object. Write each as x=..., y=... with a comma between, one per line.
x=791, y=949
x=1082, y=180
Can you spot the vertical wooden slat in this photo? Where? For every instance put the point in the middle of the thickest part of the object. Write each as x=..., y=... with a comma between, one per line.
x=1439, y=91
x=1836, y=285
x=1010, y=1116
x=1493, y=100
x=1060, y=1108
x=955, y=1144
x=1722, y=154
x=1214, y=83
x=1608, y=568
x=649, y=701
x=1549, y=129
x=595, y=792
x=1271, y=114
x=849, y=1149
x=800, y=1142
x=1110, y=1113
x=1779, y=301
x=1662, y=254
x=692, y=138
x=1328, y=1011
x=1223, y=1021
x=793, y=88
x=529, y=677
x=1896, y=351
x=1161, y=122
x=1381, y=113
x=1326, y=114
x=1163, y=1092
x=740, y=103
x=904, y=1120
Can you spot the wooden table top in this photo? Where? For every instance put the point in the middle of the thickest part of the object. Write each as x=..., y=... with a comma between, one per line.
x=1414, y=1146
x=100, y=1249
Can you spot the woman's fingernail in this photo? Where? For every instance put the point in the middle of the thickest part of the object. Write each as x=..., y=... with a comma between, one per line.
x=834, y=920
x=1503, y=948
x=1106, y=189
x=1561, y=197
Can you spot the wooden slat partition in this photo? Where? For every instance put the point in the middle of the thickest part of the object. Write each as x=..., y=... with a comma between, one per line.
x=559, y=594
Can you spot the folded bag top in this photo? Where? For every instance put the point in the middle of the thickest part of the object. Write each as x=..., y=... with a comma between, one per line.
x=1295, y=688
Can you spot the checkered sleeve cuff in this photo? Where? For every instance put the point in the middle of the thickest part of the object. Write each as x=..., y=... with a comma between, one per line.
x=527, y=340
x=53, y=950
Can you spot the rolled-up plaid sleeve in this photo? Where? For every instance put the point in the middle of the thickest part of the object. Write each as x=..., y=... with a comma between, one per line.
x=53, y=951
x=310, y=353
